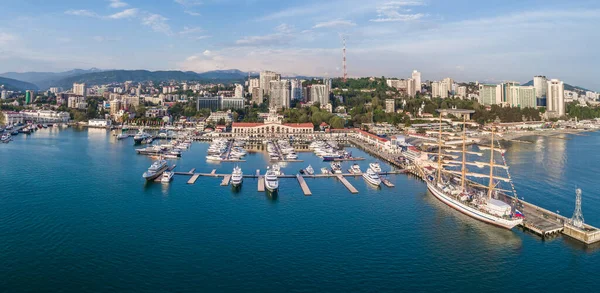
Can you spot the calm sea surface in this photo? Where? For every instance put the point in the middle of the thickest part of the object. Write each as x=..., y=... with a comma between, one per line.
x=76, y=216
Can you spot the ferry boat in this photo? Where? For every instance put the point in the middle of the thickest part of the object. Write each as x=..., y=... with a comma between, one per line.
x=167, y=177
x=375, y=167
x=469, y=197
x=237, y=177
x=155, y=170
x=372, y=177
x=271, y=181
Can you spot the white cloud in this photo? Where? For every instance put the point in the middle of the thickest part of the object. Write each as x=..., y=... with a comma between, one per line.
x=188, y=3
x=190, y=30
x=117, y=4
x=101, y=39
x=334, y=23
x=192, y=13
x=283, y=35
x=81, y=12
x=6, y=38
x=127, y=13
x=396, y=11
x=157, y=22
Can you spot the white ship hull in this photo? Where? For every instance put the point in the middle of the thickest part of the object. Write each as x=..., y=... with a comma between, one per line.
x=472, y=212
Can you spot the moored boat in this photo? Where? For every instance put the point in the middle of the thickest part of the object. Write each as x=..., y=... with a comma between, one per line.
x=271, y=181
x=237, y=176
x=166, y=177
x=375, y=167
x=372, y=177
x=155, y=170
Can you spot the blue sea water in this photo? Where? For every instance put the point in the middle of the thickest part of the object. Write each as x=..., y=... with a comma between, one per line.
x=76, y=216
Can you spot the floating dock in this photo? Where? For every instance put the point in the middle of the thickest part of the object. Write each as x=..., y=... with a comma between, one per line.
x=226, y=180
x=387, y=183
x=346, y=183
x=213, y=172
x=193, y=179
x=261, y=183
x=303, y=185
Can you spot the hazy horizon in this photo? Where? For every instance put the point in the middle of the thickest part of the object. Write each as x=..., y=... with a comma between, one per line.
x=492, y=42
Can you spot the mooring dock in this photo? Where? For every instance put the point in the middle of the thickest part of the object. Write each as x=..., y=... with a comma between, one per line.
x=226, y=180
x=344, y=181
x=303, y=185
x=261, y=183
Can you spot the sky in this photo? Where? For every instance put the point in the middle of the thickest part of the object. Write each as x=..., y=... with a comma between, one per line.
x=491, y=41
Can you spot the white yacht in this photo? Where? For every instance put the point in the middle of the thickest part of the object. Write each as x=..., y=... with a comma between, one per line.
x=309, y=170
x=336, y=168
x=277, y=169
x=237, y=177
x=167, y=177
x=122, y=136
x=355, y=169
x=372, y=177
x=141, y=136
x=325, y=171
x=214, y=158
x=375, y=167
x=271, y=180
x=156, y=169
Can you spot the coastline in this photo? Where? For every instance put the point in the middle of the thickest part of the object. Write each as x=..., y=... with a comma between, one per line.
x=517, y=136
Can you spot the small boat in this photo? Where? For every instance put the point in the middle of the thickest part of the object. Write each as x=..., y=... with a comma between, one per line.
x=237, y=176
x=271, y=181
x=336, y=168
x=375, y=167
x=325, y=171
x=355, y=169
x=167, y=156
x=309, y=170
x=141, y=136
x=5, y=138
x=277, y=169
x=167, y=177
x=214, y=158
x=155, y=170
x=372, y=177
x=122, y=136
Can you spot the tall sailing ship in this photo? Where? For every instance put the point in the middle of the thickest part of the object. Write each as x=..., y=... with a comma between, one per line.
x=458, y=190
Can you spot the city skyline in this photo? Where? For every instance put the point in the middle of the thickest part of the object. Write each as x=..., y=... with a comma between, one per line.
x=487, y=42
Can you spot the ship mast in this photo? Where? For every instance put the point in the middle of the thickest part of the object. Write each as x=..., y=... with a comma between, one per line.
x=491, y=187
x=464, y=155
x=439, y=169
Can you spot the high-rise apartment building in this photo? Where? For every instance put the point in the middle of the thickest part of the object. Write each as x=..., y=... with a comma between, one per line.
x=490, y=94
x=265, y=81
x=279, y=94
x=521, y=96
x=319, y=93
x=79, y=89
x=555, y=98
x=239, y=91
x=416, y=76
x=296, y=85
x=461, y=91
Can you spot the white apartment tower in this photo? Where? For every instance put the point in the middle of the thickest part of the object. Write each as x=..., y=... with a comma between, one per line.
x=79, y=89
x=416, y=76
x=390, y=106
x=239, y=90
x=555, y=98
x=265, y=80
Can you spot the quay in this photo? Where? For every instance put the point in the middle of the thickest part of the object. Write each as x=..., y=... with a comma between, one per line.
x=226, y=180
x=261, y=183
x=303, y=185
x=347, y=184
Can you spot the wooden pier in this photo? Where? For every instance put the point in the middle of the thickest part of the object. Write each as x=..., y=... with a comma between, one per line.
x=261, y=183
x=193, y=179
x=386, y=182
x=226, y=180
x=303, y=185
x=346, y=183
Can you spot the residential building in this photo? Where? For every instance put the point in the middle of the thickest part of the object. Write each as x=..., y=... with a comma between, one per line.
x=207, y=102
x=490, y=94
x=521, y=96
x=461, y=92
x=232, y=103
x=257, y=97
x=4, y=95
x=239, y=91
x=156, y=112
x=390, y=106
x=416, y=76
x=296, y=85
x=265, y=81
x=449, y=82
x=28, y=97
x=279, y=94
x=76, y=102
x=555, y=98
x=55, y=90
x=115, y=107
x=79, y=89
x=411, y=90
x=319, y=94
x=215, y=117
x=540, y=83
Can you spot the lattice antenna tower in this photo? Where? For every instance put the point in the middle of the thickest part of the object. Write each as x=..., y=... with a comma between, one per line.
x=577, y=219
